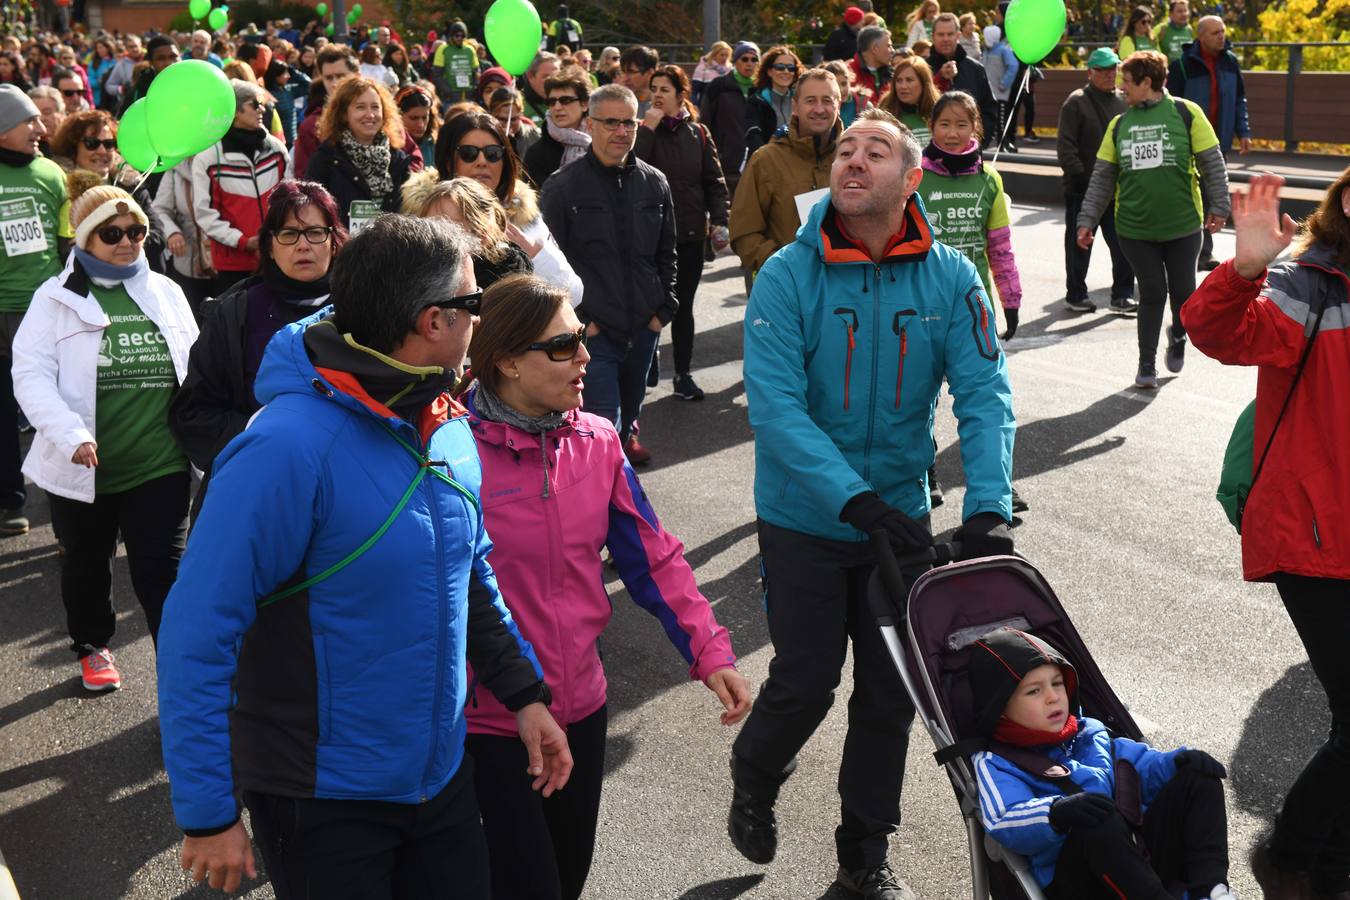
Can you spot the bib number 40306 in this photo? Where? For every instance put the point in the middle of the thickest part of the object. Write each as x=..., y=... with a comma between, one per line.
x=21, y=227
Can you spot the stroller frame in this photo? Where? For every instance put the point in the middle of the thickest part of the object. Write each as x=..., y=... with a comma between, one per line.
x=922, y=655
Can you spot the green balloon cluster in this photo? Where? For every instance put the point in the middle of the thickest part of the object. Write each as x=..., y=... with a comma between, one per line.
x=321, y=9
x=1033, y=27
x=190, y=106
x=219, y=18
x=133, y=140
x=513, y=32
x=331, y=29
x=199, y=8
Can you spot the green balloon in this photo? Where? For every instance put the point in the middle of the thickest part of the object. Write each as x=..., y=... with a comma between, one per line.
x=321, y=9
x=218, y=18
x=331, y=29
x=190, y=106
x=352, y=17
x=513, y=31
x=199, y=8
x=1034, y=27
x=133, y=137
x=358, y=10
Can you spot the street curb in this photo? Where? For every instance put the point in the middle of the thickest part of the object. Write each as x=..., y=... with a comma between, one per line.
x=8, y=890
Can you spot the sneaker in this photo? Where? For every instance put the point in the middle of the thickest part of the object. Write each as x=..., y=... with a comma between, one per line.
x=1146, y=379
x=686, y=389
x=13, y=522
x=1207, y=265
x=97, y=671
x=1222, y=892
x=752, y=827
x=934, y=488
x=1124, y=306
x=637, y=454
x=1080, y=305
x=1018, y=504
x=1031, y=137
x=1176, y=353
x=879, y=883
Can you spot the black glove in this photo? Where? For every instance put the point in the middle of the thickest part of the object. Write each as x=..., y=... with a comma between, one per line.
x=868, y=513
x=1010, y=318
x=1080, y=811
x=1201, y=763
x=984, y=534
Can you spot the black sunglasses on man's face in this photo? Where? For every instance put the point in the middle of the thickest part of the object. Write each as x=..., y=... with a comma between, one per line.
x=470, y=303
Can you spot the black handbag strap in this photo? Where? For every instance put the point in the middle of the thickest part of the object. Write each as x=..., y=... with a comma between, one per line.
x=1298, y=375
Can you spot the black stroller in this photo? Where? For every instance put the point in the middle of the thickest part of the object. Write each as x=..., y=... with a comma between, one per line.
x=929, y=640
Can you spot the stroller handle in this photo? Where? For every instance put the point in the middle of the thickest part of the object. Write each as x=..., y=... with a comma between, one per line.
x=890, y=567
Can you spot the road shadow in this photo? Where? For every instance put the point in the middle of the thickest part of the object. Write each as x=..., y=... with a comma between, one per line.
x=713, y=347
x=723, y=888
x=719, y=421
x=1055, y=313
x=1275, y=745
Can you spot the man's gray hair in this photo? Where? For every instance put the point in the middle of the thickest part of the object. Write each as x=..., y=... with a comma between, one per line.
x=611, y=92
x=539, y=60
x=47, y=91
x=869, y=36
x=397, y=267
x=911, y=153
x=202, y=33
x=245, y=91
x=949, y=18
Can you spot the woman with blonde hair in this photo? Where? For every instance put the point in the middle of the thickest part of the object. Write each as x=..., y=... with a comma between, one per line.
x=478, y=211
x=920, y=22
x=714, y=64
x=97, y=360
x=911, y=97
x=361, y=160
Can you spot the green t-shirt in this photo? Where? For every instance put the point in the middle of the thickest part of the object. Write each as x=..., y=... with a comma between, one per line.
x=1171, y=39
x=459, y=65
x=963, y=209
x=136, y=381
x=1157, y=189
x=918, y=126
x=31, y=201
x=1133, y=43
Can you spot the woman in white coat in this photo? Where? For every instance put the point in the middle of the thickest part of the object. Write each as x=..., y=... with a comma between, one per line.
x=98, y=357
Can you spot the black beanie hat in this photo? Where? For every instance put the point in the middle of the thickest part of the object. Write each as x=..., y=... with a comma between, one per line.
x=999, y=661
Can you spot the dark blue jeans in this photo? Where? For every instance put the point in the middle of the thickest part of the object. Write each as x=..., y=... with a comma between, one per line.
x=1076, y=258
x=616, y=377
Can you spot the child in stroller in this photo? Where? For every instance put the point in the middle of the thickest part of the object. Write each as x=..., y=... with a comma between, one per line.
x=1097, y=815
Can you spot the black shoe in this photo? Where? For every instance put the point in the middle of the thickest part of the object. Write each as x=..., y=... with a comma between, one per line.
x=1081, y=305
x=1031, y=137
x=1018, y=504
x=1209, y=264
x=13, y=522
x=934, y=489
x=879, y=883
x=1146, y=379
x=752, y=827
x=1176, y=353
x=686, y=389
x=1124, y=306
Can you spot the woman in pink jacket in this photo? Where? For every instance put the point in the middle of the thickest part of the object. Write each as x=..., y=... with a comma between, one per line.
x=556, y=492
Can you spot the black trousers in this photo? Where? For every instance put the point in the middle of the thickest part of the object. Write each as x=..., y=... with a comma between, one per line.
x=1165, y=269
x=1076, y=259
x=12, y=492
x=1312, y=833
x=1185, y=837
x=152, y=520
x=815, y=594
x=540, y=848
x=688, y=273
x=370, y=850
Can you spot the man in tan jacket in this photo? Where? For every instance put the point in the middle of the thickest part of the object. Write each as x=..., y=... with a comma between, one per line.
x=764, y=212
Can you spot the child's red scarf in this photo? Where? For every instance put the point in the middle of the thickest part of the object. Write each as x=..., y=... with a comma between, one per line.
x=1009, y=732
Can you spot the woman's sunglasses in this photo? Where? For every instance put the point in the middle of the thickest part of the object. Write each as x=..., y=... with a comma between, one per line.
x=563, y=347
x=113, y=234
x=469, y=153
x=92, y=144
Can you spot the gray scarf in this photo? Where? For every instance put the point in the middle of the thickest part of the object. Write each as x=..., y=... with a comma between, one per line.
x=575, y=141
x=491, y=407
x=372, y=161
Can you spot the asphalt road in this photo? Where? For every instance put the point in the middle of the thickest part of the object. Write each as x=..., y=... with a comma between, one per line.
x=1122, y=522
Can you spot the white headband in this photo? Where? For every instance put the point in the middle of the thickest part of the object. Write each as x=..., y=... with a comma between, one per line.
x=108, y=209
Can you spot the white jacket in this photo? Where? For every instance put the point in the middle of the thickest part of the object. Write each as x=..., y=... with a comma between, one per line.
x=176, y=215
x=55, y=374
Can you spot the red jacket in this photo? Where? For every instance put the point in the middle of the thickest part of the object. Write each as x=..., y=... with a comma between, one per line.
x=1297, y=519
x=868, y=83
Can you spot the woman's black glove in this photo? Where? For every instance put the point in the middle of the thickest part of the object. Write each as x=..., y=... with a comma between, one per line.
x=1010, y=319
x=1080, y=811
x=868, y=513
x=1201, y=763
x=984, y=534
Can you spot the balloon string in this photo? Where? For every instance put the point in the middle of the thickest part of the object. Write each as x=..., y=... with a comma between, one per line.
x=1012, y=113
x=148, y=172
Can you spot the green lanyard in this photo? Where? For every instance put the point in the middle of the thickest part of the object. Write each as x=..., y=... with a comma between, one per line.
x=425, y=466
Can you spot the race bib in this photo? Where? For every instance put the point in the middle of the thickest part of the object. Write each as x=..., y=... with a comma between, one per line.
x=808, y=200
x=572, y=37
x=361, y=214
x=462, y=81
x=21, y=227
x=1146, y=154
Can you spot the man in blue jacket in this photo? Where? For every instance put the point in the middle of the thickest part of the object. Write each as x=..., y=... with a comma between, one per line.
x=849, y=334
x=1209, y=74
x=312, y=655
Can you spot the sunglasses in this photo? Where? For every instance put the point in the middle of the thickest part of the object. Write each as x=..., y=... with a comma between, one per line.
x=113, y=234
x=561, y=101
x=315, y=235
x=563, y=347
x=470, y=303
x=753, y=59
x=72, y=92
x=92, y=144
x=783, y=67
x=494, y=153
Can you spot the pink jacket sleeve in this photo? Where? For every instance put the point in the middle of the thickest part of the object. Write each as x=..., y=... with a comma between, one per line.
x=652, y=565
x=1003, y=267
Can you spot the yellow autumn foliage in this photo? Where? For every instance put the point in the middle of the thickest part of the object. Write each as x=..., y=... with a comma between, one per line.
x=1306, y=20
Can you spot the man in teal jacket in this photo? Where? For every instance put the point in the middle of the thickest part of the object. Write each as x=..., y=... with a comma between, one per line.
x=849, y=334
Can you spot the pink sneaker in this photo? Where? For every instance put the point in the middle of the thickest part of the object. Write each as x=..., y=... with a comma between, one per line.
x=98, y=673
